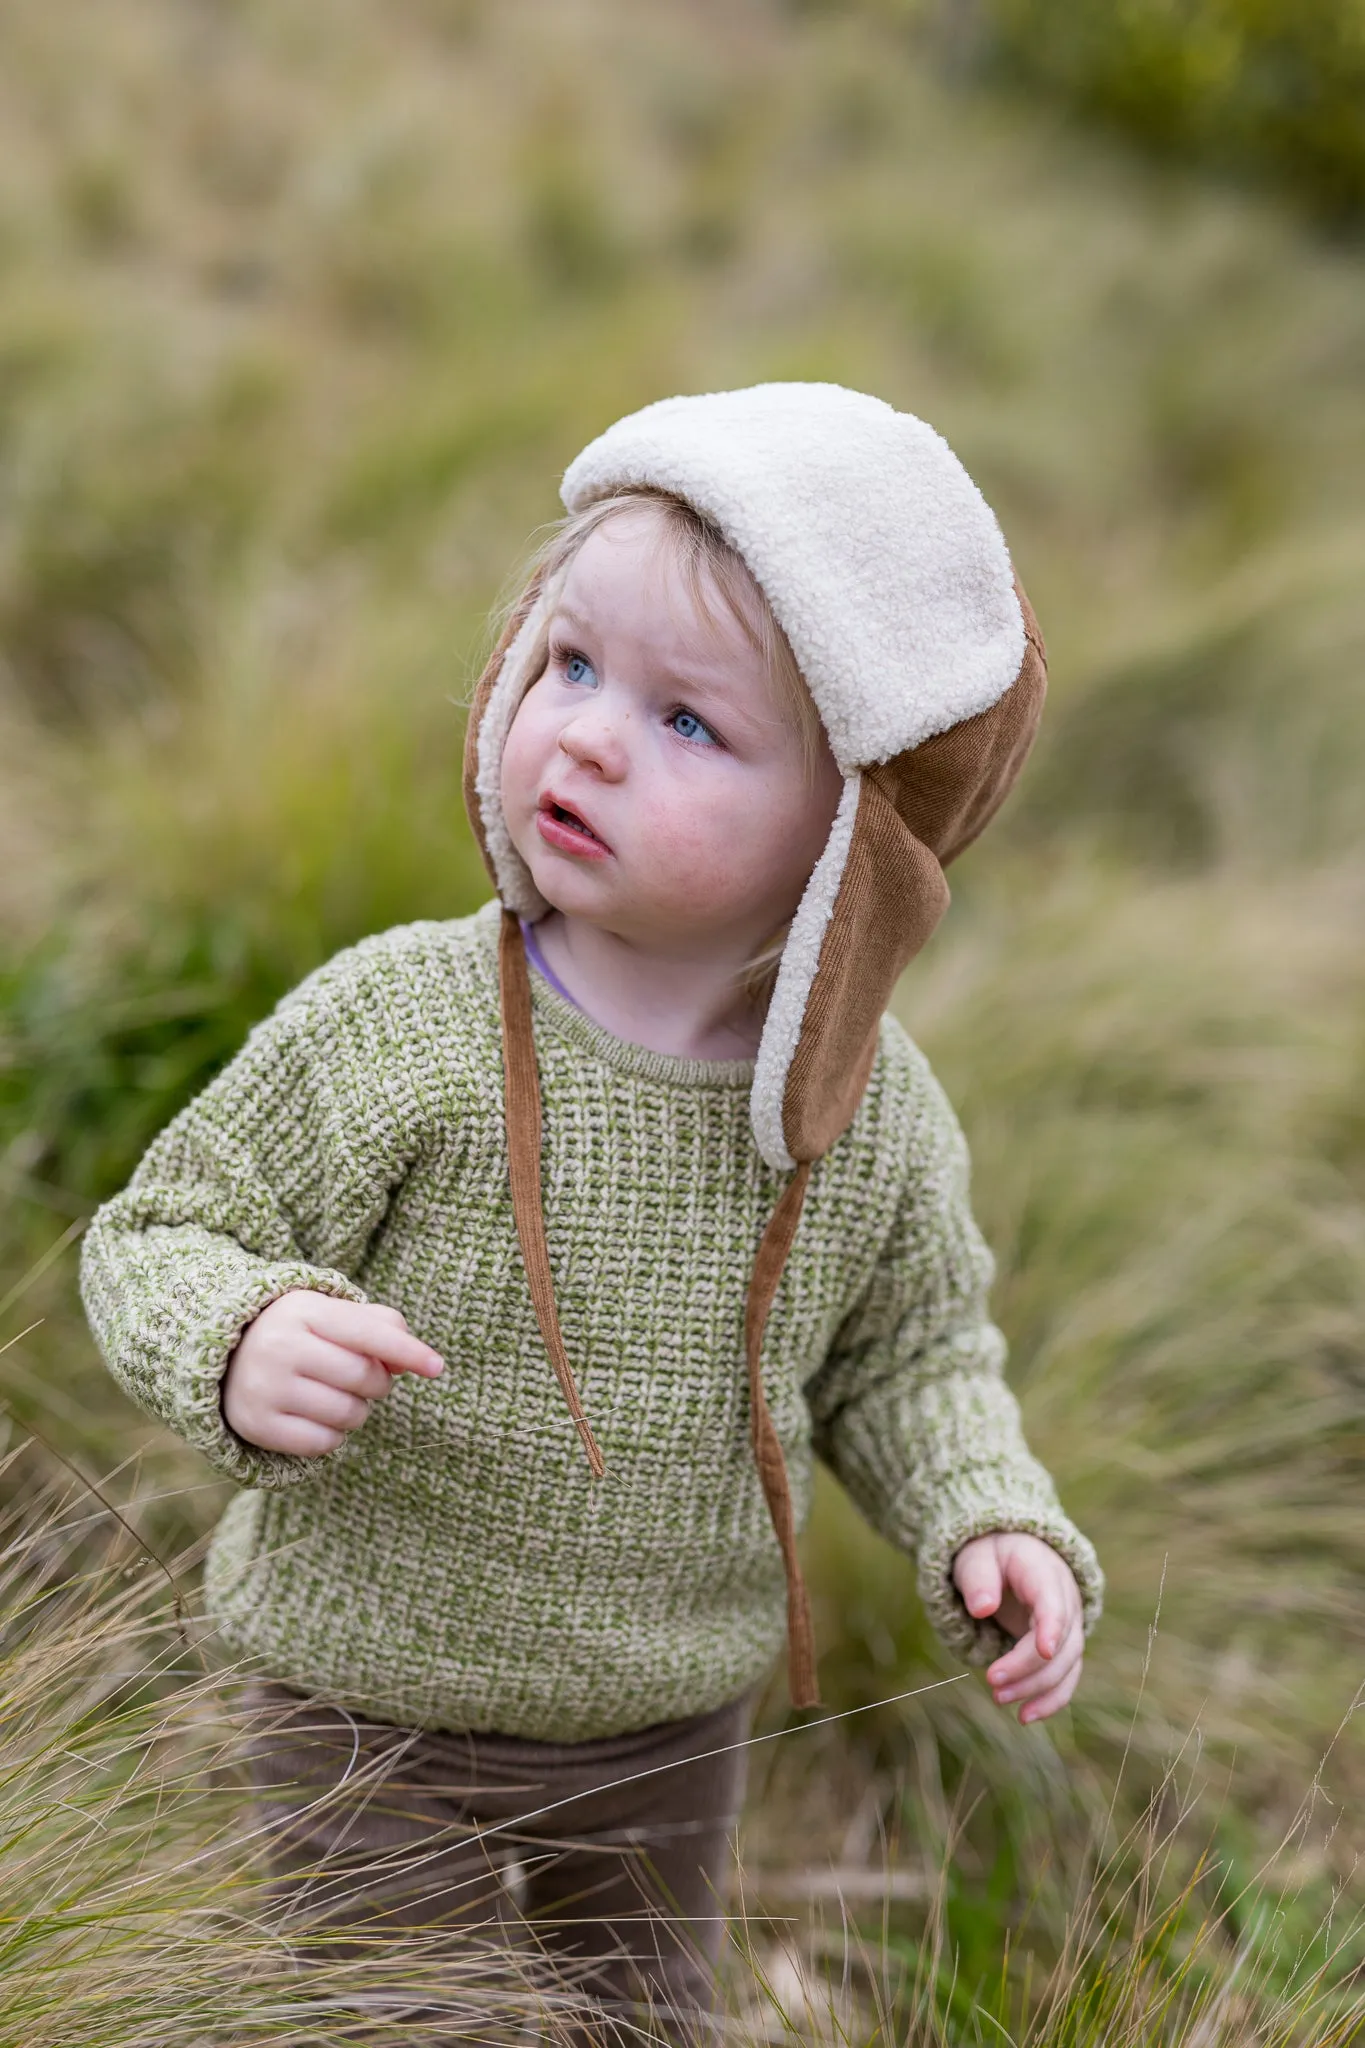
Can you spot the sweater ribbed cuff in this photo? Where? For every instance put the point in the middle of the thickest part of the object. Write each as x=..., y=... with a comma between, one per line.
x=198, y=1413
x=983, y=1504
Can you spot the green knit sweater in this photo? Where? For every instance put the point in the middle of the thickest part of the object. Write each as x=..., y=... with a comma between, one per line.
x=453, y=1563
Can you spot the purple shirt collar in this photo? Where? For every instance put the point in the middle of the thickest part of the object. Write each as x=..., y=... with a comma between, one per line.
x=541, y=964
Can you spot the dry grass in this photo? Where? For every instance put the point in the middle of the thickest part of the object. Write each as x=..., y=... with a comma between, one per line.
x=133, y=1912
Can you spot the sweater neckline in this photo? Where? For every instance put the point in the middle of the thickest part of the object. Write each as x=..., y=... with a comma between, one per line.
x=567, y=1021
x=562, y=1016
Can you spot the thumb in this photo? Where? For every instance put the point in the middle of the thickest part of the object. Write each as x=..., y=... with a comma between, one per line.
x=976, y=1574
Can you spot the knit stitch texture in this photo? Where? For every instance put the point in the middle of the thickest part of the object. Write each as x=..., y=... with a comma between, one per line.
x=453, y=1564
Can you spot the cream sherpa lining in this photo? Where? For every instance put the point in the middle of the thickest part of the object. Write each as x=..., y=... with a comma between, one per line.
x=515, y=886
x=879, y=555
x=795, y=979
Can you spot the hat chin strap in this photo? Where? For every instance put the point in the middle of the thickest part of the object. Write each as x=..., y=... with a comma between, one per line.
x=521, y=1095
x=767, y=1445
x=795, y=979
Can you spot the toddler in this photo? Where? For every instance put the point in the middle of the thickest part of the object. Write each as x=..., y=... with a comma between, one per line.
x=520, y=1265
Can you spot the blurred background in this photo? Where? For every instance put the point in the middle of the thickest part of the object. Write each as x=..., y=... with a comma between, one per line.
x=303, y=310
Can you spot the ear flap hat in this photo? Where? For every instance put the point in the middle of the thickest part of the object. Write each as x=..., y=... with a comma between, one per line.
x=887, y=571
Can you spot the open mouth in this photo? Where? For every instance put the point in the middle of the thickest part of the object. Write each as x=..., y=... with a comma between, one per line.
x=563, y=827
x=564, y=816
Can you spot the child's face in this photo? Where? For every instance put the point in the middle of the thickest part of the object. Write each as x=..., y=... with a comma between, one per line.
x=661, y=733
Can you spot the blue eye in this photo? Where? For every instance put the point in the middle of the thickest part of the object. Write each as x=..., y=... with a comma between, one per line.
x=577, y=668
x=688, y=726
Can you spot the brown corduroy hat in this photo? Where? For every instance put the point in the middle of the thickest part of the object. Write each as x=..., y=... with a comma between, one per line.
x=886, y=569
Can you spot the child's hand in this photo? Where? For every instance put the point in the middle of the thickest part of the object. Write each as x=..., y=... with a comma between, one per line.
x=306, y=1369
x=1031, y=1591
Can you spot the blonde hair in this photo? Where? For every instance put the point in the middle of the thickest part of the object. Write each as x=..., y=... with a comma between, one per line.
x=707, y=561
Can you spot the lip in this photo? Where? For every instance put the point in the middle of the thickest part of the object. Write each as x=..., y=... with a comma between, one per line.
x=565, y=837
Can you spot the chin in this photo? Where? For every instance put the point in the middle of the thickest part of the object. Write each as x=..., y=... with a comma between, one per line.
x=564, y=892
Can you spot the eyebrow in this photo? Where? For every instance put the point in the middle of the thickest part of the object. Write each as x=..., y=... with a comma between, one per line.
x=682, y=680
x=708, y=689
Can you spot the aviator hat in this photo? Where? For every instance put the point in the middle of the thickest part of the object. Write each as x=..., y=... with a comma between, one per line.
x=887, y=571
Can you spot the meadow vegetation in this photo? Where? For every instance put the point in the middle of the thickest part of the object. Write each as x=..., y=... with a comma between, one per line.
x=303, y=312
x=1268, y=89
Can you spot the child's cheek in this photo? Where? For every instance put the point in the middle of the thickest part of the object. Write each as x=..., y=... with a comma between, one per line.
x=700, y=849
x=520, y=757
x=676, y=823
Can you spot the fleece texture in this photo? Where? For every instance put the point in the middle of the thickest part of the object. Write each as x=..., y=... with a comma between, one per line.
x=795, y=979
x=488, y=736
x=453, y=1564
x=881, y=559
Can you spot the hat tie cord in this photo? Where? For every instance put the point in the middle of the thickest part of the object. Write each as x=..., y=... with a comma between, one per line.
x=521, y=1090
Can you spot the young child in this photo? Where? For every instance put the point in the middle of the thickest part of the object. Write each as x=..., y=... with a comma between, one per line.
x=519, y=1265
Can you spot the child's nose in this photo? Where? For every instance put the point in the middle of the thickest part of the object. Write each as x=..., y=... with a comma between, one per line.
x=592, y=738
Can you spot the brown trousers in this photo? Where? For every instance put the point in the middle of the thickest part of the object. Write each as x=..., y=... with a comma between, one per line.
x=582, y=1884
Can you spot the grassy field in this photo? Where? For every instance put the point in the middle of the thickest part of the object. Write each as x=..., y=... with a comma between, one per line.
x=303, y=312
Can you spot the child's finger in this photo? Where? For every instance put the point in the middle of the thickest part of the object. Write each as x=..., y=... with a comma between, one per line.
x=300, y=1438
x=377, y=1332
x=1046, y=1588
x=352, y=1371
x=1045, y=1676
x=1026, y=1660
x=315, y=1401
x=1049, y=1624
x=1017, y=1664
x=1044, y=1583
x=976, y=1574
x=1050, y=1701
